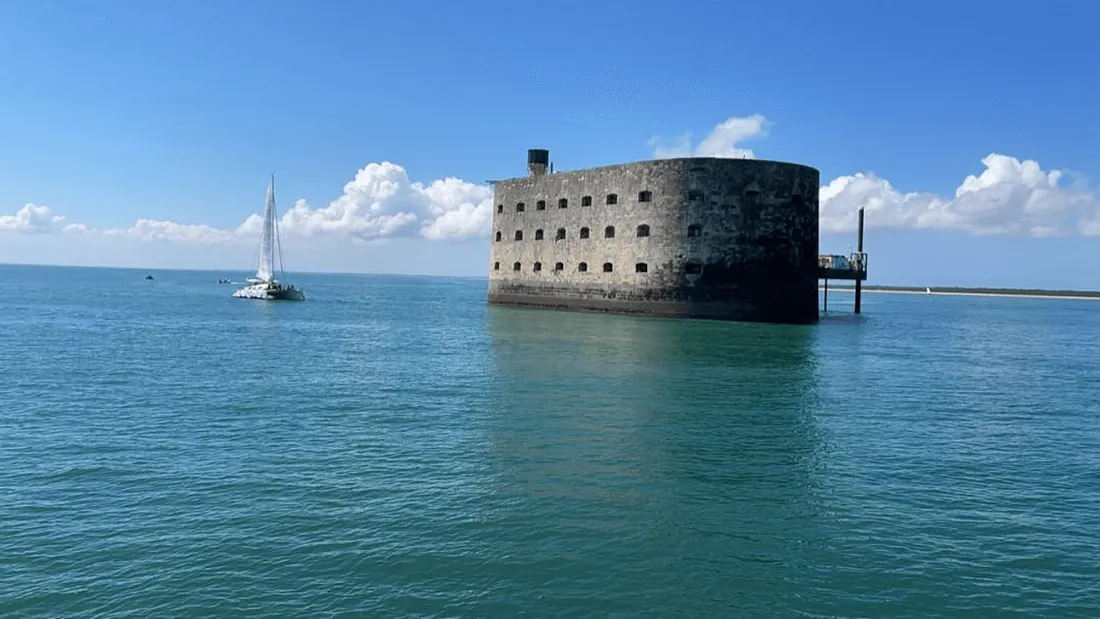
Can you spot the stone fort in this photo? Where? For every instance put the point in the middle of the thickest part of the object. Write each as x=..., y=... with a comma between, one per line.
x=696, y=237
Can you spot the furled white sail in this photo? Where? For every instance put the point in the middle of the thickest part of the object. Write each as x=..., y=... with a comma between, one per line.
x=266, y=271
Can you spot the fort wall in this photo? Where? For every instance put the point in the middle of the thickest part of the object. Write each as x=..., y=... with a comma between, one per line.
x=719, y=238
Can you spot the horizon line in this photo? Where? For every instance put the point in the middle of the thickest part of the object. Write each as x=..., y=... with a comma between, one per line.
x=227, y=270
x=867, y=287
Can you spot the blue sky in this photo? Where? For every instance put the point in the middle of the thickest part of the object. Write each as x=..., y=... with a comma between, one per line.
x=152, y=127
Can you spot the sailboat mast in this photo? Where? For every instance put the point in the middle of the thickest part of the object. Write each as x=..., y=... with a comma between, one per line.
x=271, y=224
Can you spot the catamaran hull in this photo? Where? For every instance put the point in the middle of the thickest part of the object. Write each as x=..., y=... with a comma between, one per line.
x=264, y=293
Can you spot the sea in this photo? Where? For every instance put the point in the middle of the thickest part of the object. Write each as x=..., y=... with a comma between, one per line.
x=394, y=447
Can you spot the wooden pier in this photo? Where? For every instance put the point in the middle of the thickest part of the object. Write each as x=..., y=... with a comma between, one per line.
x=852, y=267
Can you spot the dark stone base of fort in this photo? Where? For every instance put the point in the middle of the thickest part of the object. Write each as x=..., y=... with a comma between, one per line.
x=685, y=302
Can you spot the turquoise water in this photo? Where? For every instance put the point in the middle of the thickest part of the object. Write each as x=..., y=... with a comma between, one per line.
x=394, y=447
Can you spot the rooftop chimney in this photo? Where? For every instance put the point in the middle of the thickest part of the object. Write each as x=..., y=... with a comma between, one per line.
x=537, y=158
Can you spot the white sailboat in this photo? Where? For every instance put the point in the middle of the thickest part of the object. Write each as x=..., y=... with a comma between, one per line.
x=263, y=284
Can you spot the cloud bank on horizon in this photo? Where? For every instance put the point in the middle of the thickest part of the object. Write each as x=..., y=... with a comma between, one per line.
x=380, y=202
x=1010, y=196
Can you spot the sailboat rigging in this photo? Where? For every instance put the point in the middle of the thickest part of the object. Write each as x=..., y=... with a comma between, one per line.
x=263, y=284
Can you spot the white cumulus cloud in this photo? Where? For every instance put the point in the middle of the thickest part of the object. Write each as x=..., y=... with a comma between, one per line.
x=722, y=141
x=380, y=202
x=1010, y=196
x=34, y=218
x=162, y=230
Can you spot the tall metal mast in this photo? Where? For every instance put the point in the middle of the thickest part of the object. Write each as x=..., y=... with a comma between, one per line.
x=274, y=238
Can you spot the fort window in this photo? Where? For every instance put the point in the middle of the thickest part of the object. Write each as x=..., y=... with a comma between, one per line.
x=695, y=230
x=693, y=268
x=498, y=236
x=695, y=194
x=519, y=207
x=641, y=267
x=538, y=266
x=583, y=267
x=609, y=232
x=586, y=201
x=584, y=233
x=643, y=230
x=561, y=234
x=538, y=234
x=558, y=266
x=519, y=235
x=500, y=208
x=645, y=196
x=797, y=200
x=607, y=268
x=496, y=266
x=540, y=205
x=612, y=198
x=515, y=266
x=563, y=203
x=752, y=196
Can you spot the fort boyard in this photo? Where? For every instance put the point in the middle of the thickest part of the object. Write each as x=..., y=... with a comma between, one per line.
x=697, y=237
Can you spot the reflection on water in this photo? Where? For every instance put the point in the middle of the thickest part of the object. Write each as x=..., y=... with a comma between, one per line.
x=692, y=442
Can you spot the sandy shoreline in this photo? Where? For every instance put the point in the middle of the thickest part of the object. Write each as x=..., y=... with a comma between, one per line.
x=970, y=294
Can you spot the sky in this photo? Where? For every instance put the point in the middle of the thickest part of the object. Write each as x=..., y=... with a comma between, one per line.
x=144, y=134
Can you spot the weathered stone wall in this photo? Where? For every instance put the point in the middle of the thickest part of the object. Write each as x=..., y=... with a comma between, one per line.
x=727, y=238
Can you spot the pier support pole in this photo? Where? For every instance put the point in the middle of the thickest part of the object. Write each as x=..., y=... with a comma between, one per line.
x=826, y=295
x=859, y=245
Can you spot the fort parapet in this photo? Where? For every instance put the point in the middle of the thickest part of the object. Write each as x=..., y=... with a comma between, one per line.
x=699, y=237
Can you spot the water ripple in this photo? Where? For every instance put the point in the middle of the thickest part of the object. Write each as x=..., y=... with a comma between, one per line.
x=393, y=447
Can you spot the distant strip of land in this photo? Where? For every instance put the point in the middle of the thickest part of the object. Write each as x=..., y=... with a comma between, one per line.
x=987, y=292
